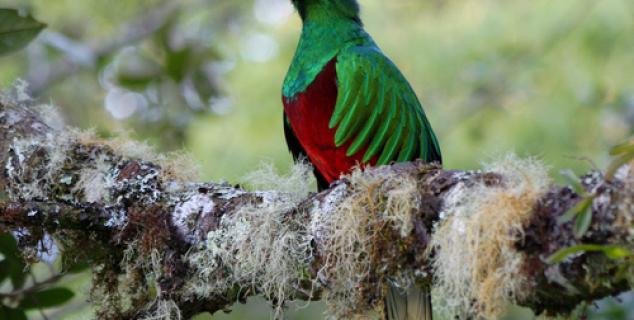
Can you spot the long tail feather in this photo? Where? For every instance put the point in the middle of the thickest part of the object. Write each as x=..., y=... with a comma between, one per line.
x=413, y=304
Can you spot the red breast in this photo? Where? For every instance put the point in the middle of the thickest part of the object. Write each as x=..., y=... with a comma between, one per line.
x=309, y=113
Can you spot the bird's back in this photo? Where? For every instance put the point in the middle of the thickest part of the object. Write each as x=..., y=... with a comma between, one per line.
x=358, y=110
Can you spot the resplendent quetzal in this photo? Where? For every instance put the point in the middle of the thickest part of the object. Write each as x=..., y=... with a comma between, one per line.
x=347, y=104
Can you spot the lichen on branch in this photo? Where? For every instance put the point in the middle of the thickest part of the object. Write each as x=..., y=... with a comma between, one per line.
x=163, y=245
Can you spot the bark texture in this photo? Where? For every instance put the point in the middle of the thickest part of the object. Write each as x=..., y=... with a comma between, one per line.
x=161, y=245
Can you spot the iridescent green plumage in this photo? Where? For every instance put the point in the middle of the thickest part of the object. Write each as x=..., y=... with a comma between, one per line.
x=324, y=35
x=345, y=102
x=376, y=108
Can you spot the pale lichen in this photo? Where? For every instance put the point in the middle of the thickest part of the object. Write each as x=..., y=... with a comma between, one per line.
x=186, y=214
x=298, y=182
x=476, y=265
x=97, y=181
x=17, y=94
x=262, y=246
x=117, y=219
x=324, y=208
x=51, y=116
x=35, y=163
x=266, y=246
x=164, y=310
x=625, y=212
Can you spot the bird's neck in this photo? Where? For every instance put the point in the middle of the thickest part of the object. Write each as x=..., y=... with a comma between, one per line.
x=324, y=35
x=325, y=10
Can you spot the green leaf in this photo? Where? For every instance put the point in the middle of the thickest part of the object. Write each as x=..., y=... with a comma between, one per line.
x=612, y=252
x=583, y=221
x=574, y=181
x=618, y=163
x=15, y=263
x=624, y=153
x=16, y=30
x=135, y=82
x=47, y=298
x=136, y=71
x=8, y=245
x=5, y=269
x=581, y=206
x=205, y=88
x=626, y=147
x=616, y=252
x=176, y=64
x=13, y=314
x=18, y=277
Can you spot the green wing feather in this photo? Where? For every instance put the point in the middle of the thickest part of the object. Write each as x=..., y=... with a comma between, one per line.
x=377, y=109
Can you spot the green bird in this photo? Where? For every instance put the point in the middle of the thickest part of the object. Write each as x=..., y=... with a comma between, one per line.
x=347, y=104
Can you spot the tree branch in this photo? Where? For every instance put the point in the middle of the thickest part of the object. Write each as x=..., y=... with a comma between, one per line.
x=481, y=239
x=36, y=286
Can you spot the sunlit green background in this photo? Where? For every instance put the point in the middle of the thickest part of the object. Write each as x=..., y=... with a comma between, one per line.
x=551, y=79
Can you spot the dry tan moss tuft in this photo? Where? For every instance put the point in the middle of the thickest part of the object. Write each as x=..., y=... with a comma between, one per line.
x=476, y=266
x=354, y=271
x=180, y=167
x=125, y=146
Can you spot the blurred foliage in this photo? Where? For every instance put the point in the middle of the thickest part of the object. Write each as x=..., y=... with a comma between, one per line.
x=25, y=295
x=153, y=65
x=551, y=79
x=16, y=30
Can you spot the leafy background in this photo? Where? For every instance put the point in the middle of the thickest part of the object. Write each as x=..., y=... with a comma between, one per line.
x=551, y=79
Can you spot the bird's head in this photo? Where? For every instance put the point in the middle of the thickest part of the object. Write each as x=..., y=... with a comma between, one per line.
x=316, y=9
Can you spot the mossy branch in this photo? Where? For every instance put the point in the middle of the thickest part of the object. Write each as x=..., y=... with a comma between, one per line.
x=162, y=245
